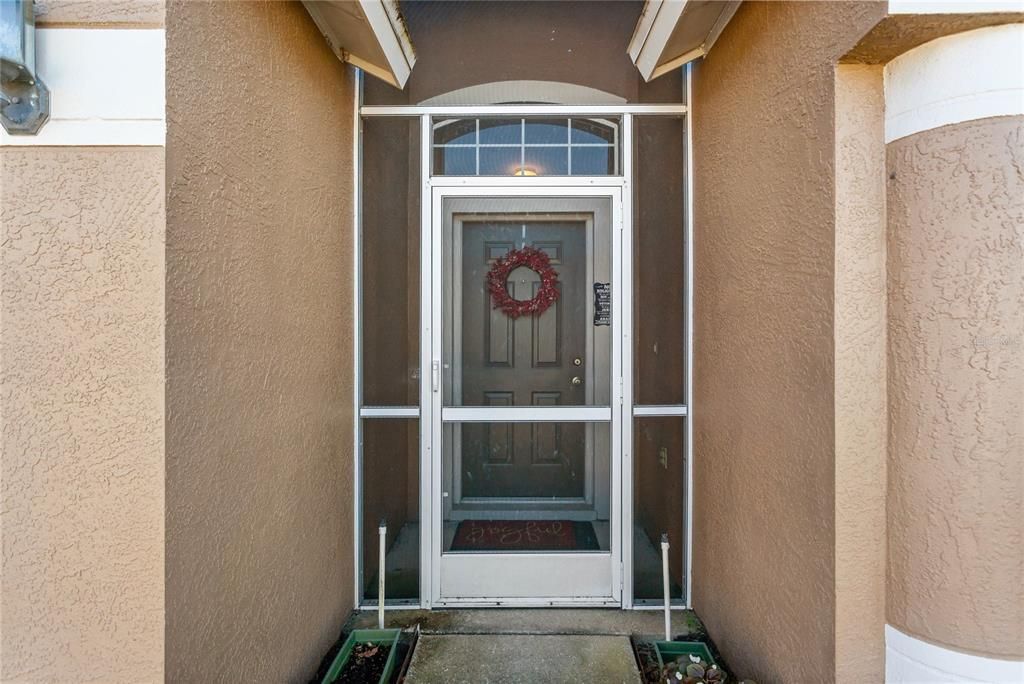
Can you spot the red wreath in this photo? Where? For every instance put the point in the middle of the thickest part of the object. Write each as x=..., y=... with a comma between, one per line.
x=535, y=260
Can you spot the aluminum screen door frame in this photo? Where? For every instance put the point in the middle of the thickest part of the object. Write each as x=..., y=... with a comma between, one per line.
x=511, y=579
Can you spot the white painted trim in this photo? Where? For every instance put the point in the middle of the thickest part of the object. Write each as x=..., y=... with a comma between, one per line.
x=527, y=181
x=344, y=24
x=389, y=412
x=524, y=110
x=642, y=29
x=106, y=87
x=653, y=411
x=525, y=414
x=667, y=13
x=688, y=188
x=659, y=22
x=625, y=305
x=430, y=339
x=908, y=659
x=966, y=76
x=357, y=337
x=954, y=6
x=389, y=29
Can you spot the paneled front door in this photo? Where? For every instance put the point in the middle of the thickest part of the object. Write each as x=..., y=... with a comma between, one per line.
x=523, y=406
x=538, y=360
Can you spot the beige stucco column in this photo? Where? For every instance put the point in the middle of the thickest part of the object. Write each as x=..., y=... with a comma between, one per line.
x=82, y=356
x=858, y=342
x=955, y=165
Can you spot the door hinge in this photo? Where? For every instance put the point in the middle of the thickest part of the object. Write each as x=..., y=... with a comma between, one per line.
x=622, y=391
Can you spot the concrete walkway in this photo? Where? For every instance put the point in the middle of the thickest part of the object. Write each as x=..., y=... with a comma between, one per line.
x=526, y=646
x=522, y=659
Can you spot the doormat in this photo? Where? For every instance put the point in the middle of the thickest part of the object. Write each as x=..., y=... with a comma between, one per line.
x=525, y=535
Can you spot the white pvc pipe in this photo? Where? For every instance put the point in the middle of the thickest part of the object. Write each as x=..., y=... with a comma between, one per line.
x=382, y=531
x=664, y=585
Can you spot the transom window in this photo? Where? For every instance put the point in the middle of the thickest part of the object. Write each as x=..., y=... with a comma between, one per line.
x=541, y=146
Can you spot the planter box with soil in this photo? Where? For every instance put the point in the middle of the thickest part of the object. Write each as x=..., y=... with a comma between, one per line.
x=367, y=657
x=674, y=650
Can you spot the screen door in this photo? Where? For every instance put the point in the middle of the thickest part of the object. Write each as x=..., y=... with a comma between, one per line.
x=524, y=289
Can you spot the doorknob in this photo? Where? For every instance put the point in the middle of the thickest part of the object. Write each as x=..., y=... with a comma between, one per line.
x=577, y=380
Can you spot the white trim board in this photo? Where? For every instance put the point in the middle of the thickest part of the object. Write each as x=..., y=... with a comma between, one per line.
x=369, y=34
x=954, y=6
x=962, y=77
x=908, y=659
x=671, y=33
x=106, y=87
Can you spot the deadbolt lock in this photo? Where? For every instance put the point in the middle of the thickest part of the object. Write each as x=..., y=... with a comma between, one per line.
x=577, y=361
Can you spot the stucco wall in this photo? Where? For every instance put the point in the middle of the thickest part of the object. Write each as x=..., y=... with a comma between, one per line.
x=82, y=392
x=861, y=414
x=764, y=385
x=82, y=414
x=259, y=334
x=956, y=385
x=100, y=13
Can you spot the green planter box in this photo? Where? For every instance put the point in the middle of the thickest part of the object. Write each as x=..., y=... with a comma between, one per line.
x=388, y=637
x=671, y=650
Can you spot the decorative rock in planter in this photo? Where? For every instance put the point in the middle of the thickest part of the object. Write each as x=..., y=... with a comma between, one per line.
x=671, y=650
x=350, y=665
x=689, y=662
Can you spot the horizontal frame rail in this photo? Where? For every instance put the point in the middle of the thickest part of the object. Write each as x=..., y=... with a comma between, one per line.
x=524, y=110
x=389, y=412
x=660, y=410
x=526, y=414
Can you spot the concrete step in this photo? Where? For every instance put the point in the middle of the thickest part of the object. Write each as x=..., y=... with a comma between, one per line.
x=557, y=621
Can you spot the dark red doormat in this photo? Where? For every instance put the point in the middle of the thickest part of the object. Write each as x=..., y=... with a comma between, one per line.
x=525, y=535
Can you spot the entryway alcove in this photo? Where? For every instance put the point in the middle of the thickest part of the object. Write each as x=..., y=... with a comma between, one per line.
x=524, y=306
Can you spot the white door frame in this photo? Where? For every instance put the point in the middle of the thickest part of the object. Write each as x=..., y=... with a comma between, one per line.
x=436, y=187
x=592, y=578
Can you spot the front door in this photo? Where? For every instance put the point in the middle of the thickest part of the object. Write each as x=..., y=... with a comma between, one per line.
x=537, y=360
x=527, y=514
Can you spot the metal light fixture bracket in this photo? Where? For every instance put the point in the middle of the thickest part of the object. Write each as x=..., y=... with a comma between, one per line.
x=24, y=98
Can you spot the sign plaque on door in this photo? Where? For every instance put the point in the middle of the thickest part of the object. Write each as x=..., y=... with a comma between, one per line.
x=602, y=303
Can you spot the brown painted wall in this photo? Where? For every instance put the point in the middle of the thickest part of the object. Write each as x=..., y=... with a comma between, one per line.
x=956, y=386
x=82, y=414
x=764, y=430
x=259, y=356
x=581, y=42
x=461, y=44
x=861, y=413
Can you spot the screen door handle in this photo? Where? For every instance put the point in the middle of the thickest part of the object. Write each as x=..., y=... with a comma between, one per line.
x=435, y=375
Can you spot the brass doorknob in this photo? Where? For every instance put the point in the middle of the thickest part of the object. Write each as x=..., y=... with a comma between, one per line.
x=577, y=380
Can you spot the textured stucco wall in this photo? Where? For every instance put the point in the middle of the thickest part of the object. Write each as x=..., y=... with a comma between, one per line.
x=100, y=13
x=896, y=34
x=860, y=373
x=259, y=334
x=764, y=429
x=81, y=414
x=956, y=386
